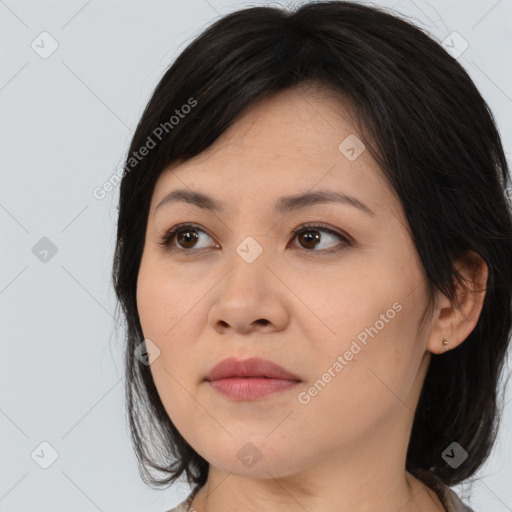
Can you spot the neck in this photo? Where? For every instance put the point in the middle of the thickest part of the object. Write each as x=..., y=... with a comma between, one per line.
x=387, y=492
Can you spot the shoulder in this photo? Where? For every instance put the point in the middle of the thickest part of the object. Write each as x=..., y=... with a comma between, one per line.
x=448, y=497
x=184, y=505
x=453, y=503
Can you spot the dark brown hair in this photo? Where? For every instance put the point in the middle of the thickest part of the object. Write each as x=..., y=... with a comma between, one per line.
x=435, y=139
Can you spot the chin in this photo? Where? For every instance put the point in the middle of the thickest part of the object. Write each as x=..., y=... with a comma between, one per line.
x=252, y=459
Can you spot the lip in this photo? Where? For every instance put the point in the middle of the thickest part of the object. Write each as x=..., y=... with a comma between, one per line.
x=252, y=367
x=248, y=379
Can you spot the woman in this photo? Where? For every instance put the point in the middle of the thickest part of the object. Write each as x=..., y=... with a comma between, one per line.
x=313, y=259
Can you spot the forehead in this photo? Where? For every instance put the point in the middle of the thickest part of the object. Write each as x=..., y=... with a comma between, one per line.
x=296, y=140
x=300, y=123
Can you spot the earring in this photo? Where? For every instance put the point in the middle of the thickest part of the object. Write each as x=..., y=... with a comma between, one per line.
x=445, y=343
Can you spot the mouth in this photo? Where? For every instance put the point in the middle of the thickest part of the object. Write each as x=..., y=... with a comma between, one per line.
x=250, y=379
x=250, y=388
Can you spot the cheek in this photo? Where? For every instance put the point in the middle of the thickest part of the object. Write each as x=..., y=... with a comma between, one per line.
x=355, y=302
x=164, y=321
x=163, y=301
x=364, y=383
x=169, y=319
x=148, y=296
x=366, y=354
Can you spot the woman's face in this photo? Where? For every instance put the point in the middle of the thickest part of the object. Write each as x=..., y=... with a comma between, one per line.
x=340, y=312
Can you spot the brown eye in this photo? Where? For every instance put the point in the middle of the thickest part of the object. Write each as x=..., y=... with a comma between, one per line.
x=312, y=237
x=183, y=237
x=187, y=238
x=309, y=238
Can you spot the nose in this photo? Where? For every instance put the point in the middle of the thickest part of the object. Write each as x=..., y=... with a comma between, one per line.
x=249, y=297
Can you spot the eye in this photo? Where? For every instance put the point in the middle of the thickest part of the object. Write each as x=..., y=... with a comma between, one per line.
x=184, y=234
x=309, y=236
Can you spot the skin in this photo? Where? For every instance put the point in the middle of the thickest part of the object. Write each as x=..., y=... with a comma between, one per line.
x=344, y=450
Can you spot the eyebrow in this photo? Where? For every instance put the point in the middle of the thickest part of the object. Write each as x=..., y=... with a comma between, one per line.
x=282, y=206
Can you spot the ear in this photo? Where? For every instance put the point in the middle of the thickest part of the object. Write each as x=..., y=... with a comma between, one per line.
x=453, y=322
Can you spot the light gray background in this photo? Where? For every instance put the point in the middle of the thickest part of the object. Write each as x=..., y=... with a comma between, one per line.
x=65, y=123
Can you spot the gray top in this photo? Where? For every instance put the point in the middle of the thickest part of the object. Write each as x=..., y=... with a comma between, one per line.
x=447, y=496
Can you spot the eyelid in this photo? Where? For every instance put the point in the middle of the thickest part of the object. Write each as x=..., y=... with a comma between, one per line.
x=345, y=239
x=324, y=227
x=169, y=234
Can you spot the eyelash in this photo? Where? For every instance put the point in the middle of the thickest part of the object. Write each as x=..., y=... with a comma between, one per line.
x=169, y=236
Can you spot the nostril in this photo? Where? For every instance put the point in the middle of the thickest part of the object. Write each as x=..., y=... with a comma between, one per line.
x=263, y=321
